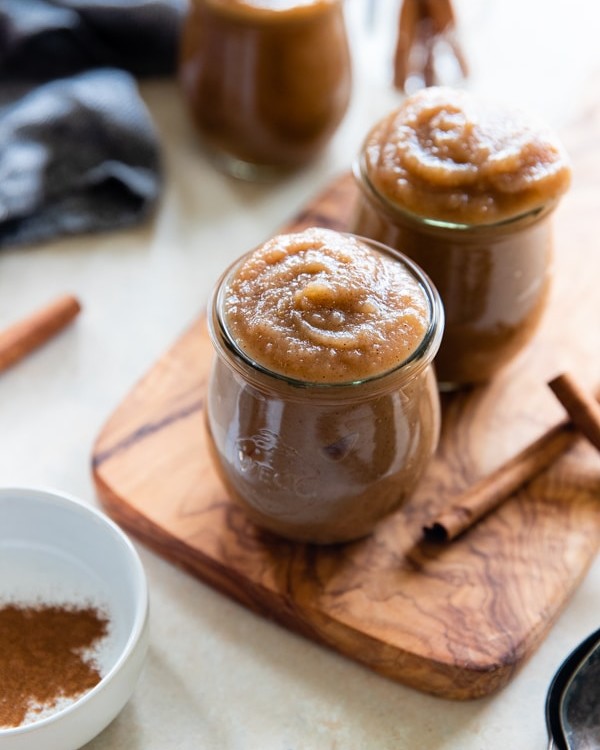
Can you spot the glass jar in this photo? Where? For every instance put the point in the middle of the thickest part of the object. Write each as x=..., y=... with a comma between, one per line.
x=267, y=82
x=321, y=462
x=494, y=279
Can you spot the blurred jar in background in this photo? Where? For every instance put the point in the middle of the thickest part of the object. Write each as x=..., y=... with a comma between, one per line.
x=267, y=81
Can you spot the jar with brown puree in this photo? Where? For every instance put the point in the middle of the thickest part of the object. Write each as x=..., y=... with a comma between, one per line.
x=466, y=189
x=267, y=81
x=322, y=408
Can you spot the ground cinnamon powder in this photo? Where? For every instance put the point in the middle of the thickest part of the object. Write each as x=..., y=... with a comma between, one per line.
x=45, y=657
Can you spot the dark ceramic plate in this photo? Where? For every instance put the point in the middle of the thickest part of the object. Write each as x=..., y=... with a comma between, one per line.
x=557, y=687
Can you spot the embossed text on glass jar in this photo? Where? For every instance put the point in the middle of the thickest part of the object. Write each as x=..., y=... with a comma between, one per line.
x=494, y=279
x=322, y=462
x=267, y=82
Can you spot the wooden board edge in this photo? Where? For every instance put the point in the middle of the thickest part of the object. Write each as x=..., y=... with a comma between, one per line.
x=453, y=682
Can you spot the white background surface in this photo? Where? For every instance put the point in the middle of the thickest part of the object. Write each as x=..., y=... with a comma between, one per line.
x=218, y=676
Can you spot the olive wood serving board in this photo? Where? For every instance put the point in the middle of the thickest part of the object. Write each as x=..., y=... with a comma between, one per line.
x=455, y=620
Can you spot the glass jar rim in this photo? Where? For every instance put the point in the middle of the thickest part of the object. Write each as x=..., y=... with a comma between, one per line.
x=266, y=13
x=531, y=215
x=416, y=361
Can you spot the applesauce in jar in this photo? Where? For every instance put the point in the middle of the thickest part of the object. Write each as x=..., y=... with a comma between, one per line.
x=267, y=81
x=467, y=189
x=322, y=408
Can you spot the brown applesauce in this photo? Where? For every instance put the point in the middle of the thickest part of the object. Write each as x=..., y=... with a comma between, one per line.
x=319, y=306
x=467, y=190
x=322, y=408
x=267, y=81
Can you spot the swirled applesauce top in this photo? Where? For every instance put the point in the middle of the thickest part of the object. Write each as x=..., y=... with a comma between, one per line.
x=445, y=155
x=324, y=307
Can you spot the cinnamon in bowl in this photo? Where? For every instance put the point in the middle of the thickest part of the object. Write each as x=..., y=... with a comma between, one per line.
x=73, y=620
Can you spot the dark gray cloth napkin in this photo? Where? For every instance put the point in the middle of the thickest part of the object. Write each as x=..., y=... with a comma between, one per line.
x=78, y=150
x=44, y=39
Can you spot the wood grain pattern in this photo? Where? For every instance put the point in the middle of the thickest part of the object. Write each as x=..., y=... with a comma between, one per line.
x=455, y=620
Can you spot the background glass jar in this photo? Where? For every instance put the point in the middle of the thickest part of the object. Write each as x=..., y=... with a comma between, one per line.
x=267, y=82
x=316, y=462
x=494, y=279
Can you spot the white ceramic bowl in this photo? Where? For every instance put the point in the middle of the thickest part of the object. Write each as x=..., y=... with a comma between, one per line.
x=55, y=549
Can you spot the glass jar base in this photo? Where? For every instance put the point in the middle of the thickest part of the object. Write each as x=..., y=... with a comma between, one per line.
x=245, y=170
x=450, y=387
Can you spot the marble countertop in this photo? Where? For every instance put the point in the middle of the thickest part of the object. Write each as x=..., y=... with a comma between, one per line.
x=218, y=676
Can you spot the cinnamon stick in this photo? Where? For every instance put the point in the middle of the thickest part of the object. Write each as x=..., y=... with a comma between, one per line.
x=408, y=24
x=26, y=335
x=422, y=25
x=583, y=409
x=488, y=493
